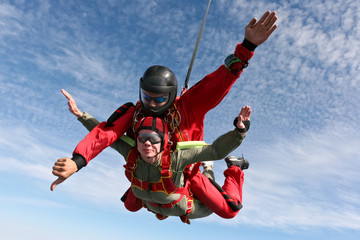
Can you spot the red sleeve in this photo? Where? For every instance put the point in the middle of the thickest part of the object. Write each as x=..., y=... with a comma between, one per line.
x=106, y=133
x=210, y=91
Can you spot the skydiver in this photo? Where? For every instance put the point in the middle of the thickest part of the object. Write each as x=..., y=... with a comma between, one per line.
x=184, y=115
x=156, y=172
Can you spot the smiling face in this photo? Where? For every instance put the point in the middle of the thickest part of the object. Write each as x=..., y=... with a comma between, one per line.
x=149, y=145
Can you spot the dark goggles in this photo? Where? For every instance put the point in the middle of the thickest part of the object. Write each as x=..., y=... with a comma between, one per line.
x=147, y=98
x=154, y=138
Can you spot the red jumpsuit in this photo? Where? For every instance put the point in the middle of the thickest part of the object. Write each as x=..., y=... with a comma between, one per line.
x=192, y=107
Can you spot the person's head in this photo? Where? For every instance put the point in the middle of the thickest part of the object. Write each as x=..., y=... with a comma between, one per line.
x=158, y=90
x=152, y=137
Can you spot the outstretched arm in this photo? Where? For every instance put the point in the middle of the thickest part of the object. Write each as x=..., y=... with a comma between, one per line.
x=211, y=90
x=223, y=145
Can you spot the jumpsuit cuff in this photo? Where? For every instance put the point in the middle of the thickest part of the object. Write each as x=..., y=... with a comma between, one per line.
x=248, y=45
x=79, y=161
x=84, y=117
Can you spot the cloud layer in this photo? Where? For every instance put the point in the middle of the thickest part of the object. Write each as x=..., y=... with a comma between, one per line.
x=302, y=84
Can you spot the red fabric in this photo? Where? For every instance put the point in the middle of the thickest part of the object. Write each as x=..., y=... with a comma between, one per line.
x=204, y=96
x=207, y=193
x=132, y=203
x=101, y=137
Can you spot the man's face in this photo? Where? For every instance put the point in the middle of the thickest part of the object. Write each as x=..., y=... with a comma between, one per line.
x=149, y=145
x=154, y=100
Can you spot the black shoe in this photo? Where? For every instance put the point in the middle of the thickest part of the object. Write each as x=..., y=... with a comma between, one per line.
x=240, y=162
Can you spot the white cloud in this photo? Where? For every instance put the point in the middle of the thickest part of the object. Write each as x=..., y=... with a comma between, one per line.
x=9, y=21
x=303, y=183
x=302, y=83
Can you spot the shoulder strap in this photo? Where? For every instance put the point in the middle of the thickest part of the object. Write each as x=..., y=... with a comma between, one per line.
x=118, y=113
x=166, y=174
x=131, y=163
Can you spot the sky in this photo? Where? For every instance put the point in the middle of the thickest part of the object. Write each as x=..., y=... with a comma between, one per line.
x=302, y=84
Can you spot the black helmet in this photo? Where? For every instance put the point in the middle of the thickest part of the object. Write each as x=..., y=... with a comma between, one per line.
x=158, y=80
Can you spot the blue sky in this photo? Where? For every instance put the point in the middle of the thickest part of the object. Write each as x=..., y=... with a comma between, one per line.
x=303, y=86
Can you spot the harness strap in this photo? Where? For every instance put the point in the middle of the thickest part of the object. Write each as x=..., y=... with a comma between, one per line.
x=168, y=205
x=183, y=218
x=118, y=113
x=176, y=126
x=131, y=164
x=165, y=184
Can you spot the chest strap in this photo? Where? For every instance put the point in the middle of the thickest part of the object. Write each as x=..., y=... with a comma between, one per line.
x=165, y=184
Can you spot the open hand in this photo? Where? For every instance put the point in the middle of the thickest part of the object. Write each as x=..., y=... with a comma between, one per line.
x=258, y=31
x=244, y=115
x=72, y=104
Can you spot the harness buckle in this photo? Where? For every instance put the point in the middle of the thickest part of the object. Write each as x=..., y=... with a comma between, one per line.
x=141, y=184
x=133, y=166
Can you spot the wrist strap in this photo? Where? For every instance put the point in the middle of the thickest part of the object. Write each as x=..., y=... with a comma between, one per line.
x=248, y=45
x=243, y=130
x=79, y=161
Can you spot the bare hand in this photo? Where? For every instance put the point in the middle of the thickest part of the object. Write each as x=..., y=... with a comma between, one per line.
x=244, y=115
x=258, y=31
x=72, y=104
x=63, y=169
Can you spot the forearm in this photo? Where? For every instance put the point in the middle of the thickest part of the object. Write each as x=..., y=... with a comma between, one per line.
x=226, y=143
x=88, y=121
x=219, y=149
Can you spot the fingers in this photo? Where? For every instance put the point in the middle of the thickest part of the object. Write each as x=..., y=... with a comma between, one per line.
x=245, y=113
x=61, y=161
x=266, y=22
x=270, y=31
x=72, y=104
x=252, y=22
x=242, y=111
x=59, y=171
x=64, y=167
x=66, y=94
x=264, y=17
x=56, y=182
x=270, y=20
x=257, y=32
x=57, y=168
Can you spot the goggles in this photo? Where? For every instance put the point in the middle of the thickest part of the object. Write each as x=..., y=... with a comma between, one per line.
x=154, y=138
x=157, y=100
